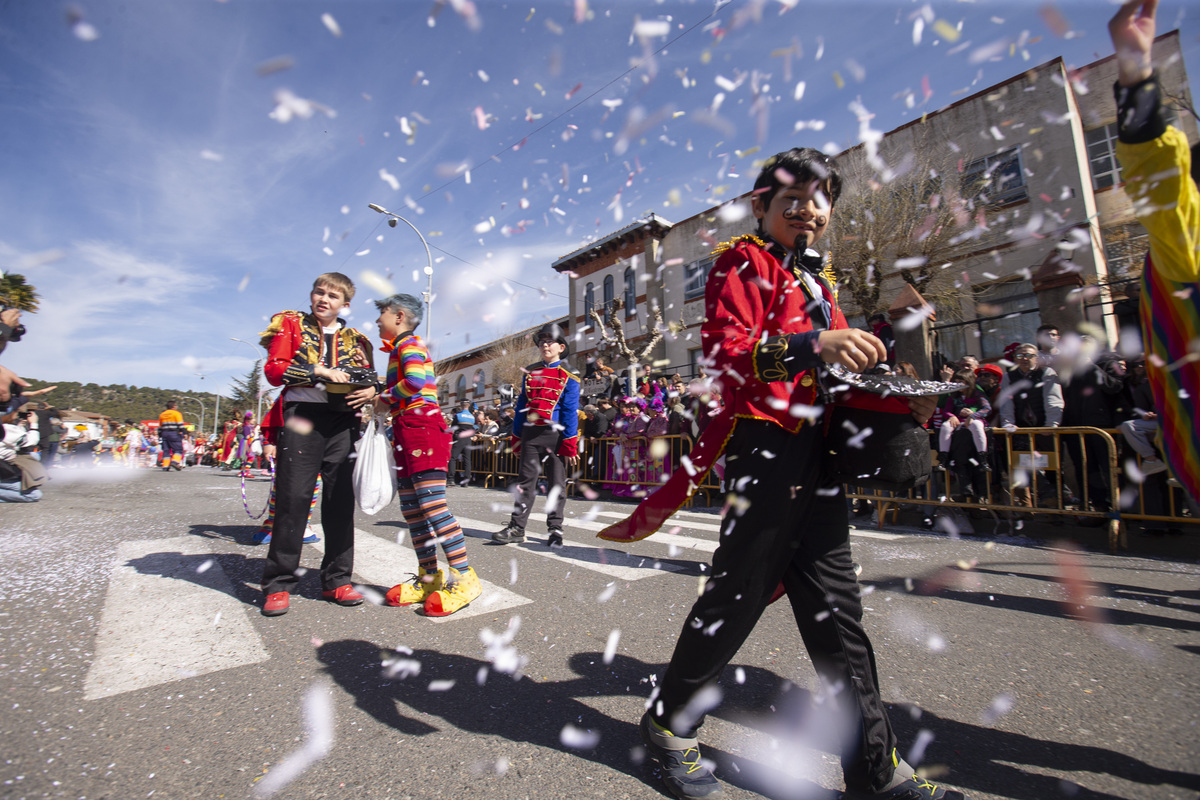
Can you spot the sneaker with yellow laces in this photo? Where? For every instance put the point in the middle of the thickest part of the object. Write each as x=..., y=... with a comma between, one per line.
x=417, y=590
x=906, y=785
x=459, y=590
x=679, y=757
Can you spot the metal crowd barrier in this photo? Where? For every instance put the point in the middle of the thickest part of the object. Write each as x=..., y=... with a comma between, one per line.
x=1028, y=477
x=641, y=463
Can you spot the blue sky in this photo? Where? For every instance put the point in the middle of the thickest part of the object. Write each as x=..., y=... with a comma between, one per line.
x=161, y=198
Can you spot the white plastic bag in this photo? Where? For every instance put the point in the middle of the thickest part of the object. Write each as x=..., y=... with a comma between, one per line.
x=375, y=468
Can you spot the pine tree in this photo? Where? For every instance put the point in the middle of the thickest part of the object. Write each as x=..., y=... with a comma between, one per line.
x=246, y=390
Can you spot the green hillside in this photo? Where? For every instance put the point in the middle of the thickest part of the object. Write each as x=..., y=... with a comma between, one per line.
x=129, y=402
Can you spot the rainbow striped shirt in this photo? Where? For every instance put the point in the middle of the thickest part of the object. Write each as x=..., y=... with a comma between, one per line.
x=411, y=382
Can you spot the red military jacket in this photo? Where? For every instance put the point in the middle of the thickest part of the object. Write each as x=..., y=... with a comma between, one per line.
x=550, y=396
x=295, y=344
x=751, y=305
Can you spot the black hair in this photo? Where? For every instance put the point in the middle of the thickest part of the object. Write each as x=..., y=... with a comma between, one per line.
x=798, y=165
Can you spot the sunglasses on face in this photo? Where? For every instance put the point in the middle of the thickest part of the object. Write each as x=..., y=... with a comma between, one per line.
x=1026, y=356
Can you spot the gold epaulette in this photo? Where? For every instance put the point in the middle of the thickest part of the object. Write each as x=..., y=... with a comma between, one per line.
x=264, y=338
x=732, y=243
x=351, y=336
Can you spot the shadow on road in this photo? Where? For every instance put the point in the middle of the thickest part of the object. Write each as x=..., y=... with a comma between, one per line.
x=982, y=758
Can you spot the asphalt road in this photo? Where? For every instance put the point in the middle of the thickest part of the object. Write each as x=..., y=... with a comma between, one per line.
x=134, y=662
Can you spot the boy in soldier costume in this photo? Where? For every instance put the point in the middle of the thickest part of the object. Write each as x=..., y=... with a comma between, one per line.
x=545, y=433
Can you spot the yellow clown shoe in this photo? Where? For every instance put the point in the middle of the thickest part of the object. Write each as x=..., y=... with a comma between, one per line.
x=460, y=589
x=423, y=584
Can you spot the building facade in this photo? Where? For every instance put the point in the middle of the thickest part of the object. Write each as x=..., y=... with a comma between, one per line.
x=1004, y=209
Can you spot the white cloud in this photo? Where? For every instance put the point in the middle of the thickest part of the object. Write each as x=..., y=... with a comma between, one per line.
x=109, y=315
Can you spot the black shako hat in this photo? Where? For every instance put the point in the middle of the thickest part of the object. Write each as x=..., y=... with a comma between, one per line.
x=552, y=330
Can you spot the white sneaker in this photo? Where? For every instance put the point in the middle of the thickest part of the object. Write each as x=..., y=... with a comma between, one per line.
x=1152, y=466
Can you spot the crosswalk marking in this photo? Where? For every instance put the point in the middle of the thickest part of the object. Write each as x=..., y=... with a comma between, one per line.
x=708, y=526
x=589, y=555
x=385, y=563
x=170, y=613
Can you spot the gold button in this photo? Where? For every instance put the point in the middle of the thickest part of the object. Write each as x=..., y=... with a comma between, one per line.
x=807, y=380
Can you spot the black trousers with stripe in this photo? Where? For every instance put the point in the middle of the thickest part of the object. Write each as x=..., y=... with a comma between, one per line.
x=299, y=458
x=539, y=446
x=793, y=529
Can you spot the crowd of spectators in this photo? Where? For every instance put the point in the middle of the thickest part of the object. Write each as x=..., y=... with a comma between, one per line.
x=618, y=428
x=1051, y=382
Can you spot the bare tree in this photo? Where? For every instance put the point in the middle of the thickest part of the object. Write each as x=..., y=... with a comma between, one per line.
x=900, y=218
x=616, y=340
x=508, y=358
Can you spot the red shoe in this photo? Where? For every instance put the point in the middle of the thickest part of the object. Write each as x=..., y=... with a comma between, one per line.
x=276, y=605
x=343, y=596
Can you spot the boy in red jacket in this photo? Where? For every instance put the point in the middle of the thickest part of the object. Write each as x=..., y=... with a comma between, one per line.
x=310, y=355
x=772, y=323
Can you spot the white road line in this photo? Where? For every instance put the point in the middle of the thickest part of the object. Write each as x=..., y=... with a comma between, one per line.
x=165, y=620
x=588, y=555
x=670, y=523
x=385, y=563
x=685, y=524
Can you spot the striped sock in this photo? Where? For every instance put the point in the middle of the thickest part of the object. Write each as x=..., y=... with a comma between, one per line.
x=418, y=528
x=431, y=494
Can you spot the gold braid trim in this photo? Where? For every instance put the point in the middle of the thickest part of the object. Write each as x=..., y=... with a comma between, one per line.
x=265, y=338
x=828, y=274
x=774, y=352
x=732, y=243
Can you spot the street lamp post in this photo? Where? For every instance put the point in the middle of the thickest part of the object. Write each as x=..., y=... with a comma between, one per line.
x=257, y=358
x=202, y=409
x=217, y=410
x=428, y=294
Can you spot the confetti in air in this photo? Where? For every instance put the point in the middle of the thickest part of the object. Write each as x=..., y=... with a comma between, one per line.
x=610, y=649
x=578, y=738
x=299, y=425
x=329, y=22
x=377, y=282
x=318, y=720
x=84, y=31
x=288, y=107
x=499, y=650
x=1001, y=705
x=917, y=754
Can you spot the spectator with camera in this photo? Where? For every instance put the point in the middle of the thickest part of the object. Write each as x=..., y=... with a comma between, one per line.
x=21, y=476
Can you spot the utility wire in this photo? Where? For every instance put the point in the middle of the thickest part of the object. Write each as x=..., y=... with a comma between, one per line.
x=716, y=7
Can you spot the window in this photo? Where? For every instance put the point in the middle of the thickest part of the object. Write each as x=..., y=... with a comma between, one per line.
x=480, y=383
x=1014, y=317
x=442, y=393
x=694, y=276
x=630, y=292
x=995, y=180
x=460, y=388
x=1102, y=155
x=608, y=292
x=589, y=303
